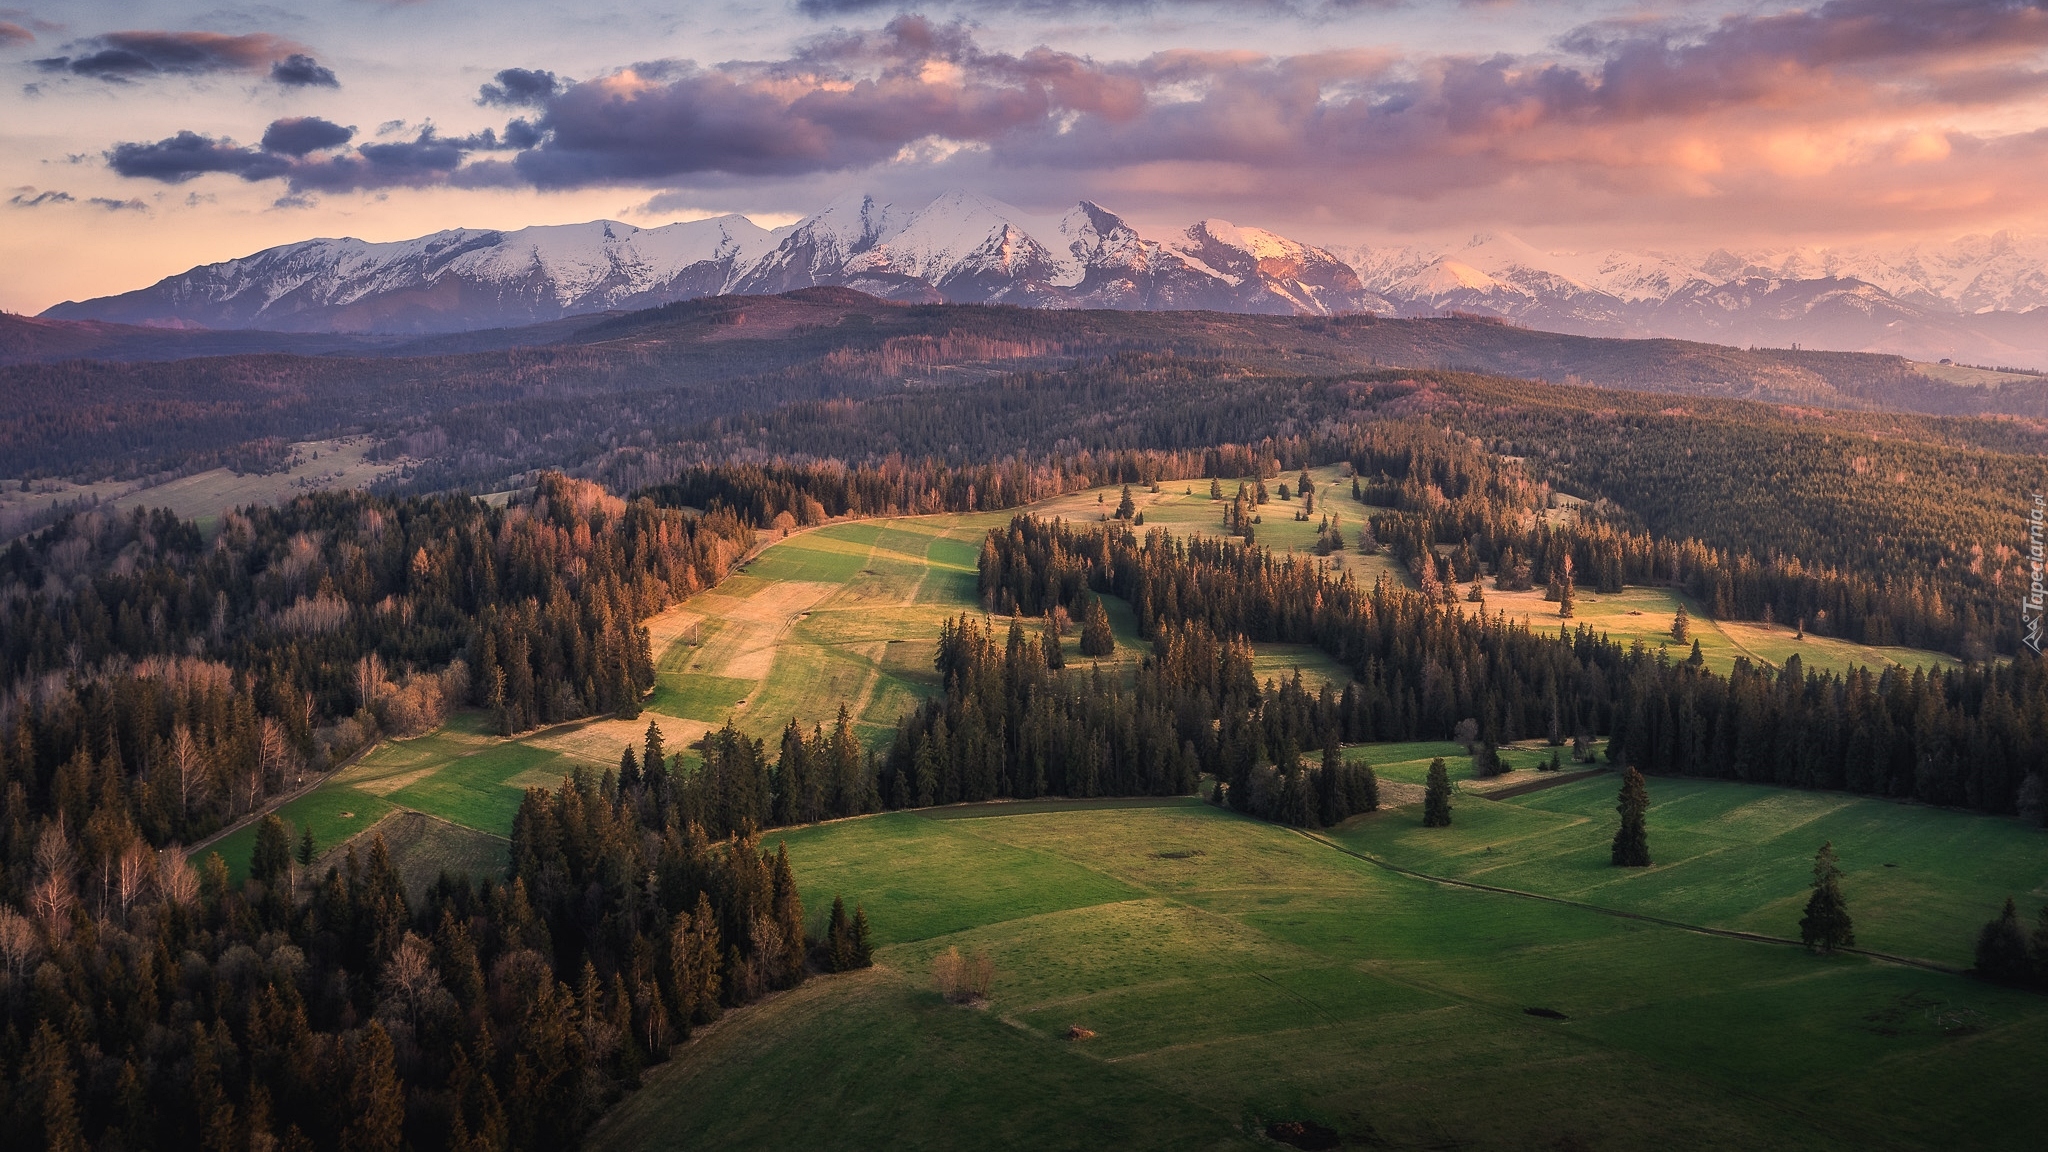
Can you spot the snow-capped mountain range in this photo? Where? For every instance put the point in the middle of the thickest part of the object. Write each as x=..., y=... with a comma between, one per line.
x=1978, y=299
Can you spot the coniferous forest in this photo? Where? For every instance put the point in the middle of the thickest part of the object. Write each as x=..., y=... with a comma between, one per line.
x=160, y=683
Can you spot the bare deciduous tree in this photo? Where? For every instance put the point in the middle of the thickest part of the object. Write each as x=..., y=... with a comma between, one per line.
x=133, y=874
x=19, y=947
x=188, y=766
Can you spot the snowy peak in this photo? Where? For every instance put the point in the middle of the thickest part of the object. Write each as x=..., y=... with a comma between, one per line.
x=1979, y=298
x=455, y=280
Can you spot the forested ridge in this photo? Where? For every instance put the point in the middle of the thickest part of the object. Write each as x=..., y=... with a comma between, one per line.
x=1975, y=737
x=160, y=684
x=1876, y=528
x=476, y=409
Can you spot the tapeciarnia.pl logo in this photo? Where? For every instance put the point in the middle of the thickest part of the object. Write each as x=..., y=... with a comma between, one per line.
x=2032, y=605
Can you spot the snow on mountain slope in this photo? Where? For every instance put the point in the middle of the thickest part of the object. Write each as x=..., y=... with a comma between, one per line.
x=449, y=281
x=1969, y=299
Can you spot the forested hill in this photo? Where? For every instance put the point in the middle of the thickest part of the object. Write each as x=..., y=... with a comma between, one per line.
x=484, y=405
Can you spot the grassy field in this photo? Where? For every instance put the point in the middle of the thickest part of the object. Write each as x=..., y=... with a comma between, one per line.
x=1237, y=973
x=848, y=614
x=1920, y=881
x=204, y=496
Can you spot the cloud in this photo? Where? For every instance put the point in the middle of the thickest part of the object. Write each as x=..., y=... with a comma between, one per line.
x=12, y=34
x=1842, y=111
x=299, y=70
x=120, y=57
x=179, y=158
x=298, y=135
x=284, y=154
x=520, y=87
x=30, y=198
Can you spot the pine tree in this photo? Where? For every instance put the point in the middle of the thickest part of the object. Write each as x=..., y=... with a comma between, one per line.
x=1049, y=643
x=654, y=761
x=629, y=769
x=863, y=950
x=306, y=846
x=48, y=1074
x=1826, y=925
x=272, y=856
x=1126, y=507
x=1632, y=839
x=1698, y=658
x=1486, y=761
x=1681, y=626
x=1436, y=801
x=1096, y=638
x=838, y=938
x=2002, y=949
x=1331, y=795
x=376, y=1098
x=1215, y=488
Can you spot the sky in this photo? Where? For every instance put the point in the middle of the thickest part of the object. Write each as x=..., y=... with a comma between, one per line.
x=142, y=137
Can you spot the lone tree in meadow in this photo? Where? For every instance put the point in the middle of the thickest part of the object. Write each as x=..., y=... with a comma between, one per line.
x=1096, y=639
x=1681, y=625
x=1126, y=507
x=1632, y=839
x=1826, y=926
x=272, y=856
x=1436, y=797
x=2002, y=949
x=1565, y=590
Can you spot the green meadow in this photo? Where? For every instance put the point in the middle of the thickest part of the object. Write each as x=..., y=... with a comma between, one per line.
x=1235, y=974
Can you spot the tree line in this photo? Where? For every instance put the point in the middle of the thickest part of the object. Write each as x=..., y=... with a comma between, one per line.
x=1970, y=737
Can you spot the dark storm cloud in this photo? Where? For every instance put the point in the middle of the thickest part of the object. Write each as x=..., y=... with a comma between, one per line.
x=285, y=154
x=299, y=70
x=298, y=135
x=179, y=158
x=125, y=56
x=520, y=87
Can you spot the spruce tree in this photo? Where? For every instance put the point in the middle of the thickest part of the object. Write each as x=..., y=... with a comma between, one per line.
x=1826, y=925
x=376, y=1097
x=306, y=846
x=2002, y=948
x=1698, y=658
x=1681, y=626
x=48, y=1075
x=1049, y=642
x=1436, y=801
x=1096, y=638
x=1565, y=590
x=863, y=951
x=272, y=856
x=1215, y=489
x=653, y=761
x=1126, y=507
x=629, y=769
x=838, y=938
x=1632, y=839
x=1331, y=795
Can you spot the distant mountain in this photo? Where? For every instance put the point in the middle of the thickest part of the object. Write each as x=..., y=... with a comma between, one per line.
x=1981, y=299
x=453, y=281
x=960, y=248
